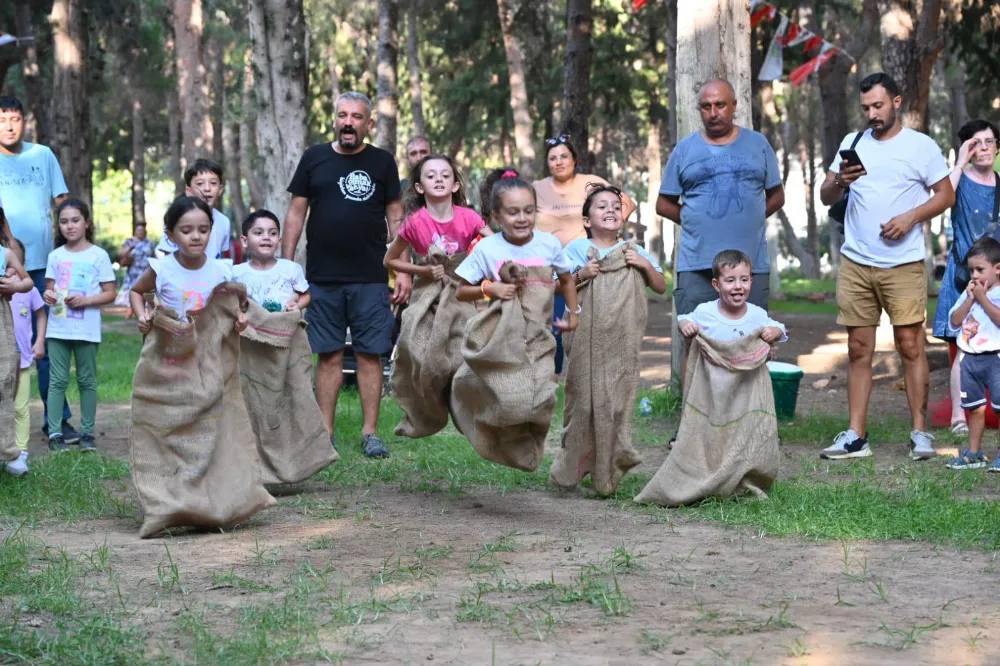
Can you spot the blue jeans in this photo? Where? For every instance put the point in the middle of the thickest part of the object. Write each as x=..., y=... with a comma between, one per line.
x=558, y=312
x=42, y=364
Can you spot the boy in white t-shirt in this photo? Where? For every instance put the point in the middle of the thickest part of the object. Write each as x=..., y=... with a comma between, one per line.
x=204, y=179
x=277, y=285
x=975, y=322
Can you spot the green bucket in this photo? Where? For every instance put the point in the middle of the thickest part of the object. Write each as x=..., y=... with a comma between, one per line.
x=785, y=379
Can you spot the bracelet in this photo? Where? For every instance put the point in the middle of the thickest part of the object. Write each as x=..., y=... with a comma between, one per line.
x=482, y=287
x=579, y=310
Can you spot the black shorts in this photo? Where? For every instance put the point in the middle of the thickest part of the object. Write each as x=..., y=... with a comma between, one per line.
x=980, y=372
x=364, y=308
x=692, y=288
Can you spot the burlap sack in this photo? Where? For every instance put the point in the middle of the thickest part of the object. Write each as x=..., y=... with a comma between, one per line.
x=276, y=379
x=10, y=366
x=503, y=396
x=602, y=379
x=728, y=438
x=429, y=351
x=194, y=456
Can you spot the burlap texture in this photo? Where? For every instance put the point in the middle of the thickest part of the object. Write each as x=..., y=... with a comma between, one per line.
x=193, y=452
x=10, y=366
x=728, y=438
x=429, y=351
x=276, y=379
x=603, y=377
x=503, y=395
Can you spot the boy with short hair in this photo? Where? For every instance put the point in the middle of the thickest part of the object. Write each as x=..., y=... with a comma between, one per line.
x=975, y=322
x=204, y=179
x=275, y=284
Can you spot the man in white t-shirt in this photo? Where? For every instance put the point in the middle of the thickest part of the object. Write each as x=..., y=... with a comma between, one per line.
x=901, y=182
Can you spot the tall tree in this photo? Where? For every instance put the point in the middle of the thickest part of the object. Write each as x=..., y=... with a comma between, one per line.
x=413, y=62
x=36, y=125
x=576, y=78
x=523, y=127
x=278, y=37
x=911, y=43
x=70, y=104
x=247, y=136
x=388, y=91
x=192, y=81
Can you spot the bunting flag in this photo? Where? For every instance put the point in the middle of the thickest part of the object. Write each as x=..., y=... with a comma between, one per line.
x=774, y=62
x=804, y=71
x=764, y=11
x=638, y=4
x=788, y=34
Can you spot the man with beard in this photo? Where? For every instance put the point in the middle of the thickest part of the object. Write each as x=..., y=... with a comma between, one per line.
x=882, y=259
x=350, y=190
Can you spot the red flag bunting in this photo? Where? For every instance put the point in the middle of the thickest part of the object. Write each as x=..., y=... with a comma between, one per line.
x=765, y=11
x=802, y=72
x=813, y=43
x=638, y=4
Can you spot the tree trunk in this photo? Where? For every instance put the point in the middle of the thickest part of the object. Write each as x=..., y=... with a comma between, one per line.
x=137, y=165
x=278, y=34
x=247, y=136
x=956, y=87
x=576, y=79
x=413, y=61
x=713, y=40
x=334, y=74
x=523, y=130
x=214, y=53
x=192, y=81
x=174, y=139
x=812, y=221
x=910, y=45
x=35, y=120
x=388, y=56
x=231, y=155
x=654, y=225
x=670, y=135
x=70, y=102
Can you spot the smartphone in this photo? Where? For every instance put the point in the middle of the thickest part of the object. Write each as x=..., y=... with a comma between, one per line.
x=852, y=158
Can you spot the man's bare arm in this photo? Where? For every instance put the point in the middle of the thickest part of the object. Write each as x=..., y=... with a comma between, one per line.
x=295, y=220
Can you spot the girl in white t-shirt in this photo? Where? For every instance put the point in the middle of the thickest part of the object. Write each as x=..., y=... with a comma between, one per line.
x=79, y=279
x=277, y=285
x=184, y=280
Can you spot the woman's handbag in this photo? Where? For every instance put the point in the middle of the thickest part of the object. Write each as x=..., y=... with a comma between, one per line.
x=961, y=267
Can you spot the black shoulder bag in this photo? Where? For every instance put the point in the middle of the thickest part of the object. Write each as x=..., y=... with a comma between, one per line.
x=838, y=211
x=961, y=267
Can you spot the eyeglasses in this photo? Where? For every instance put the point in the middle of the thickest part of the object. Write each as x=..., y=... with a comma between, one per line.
x=987, y=143
x=562, y=139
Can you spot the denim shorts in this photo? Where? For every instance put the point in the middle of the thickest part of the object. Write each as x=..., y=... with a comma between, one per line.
x=980, y=372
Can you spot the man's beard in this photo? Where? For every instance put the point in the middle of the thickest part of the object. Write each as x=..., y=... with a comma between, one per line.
x=349, y=137
x=889, y=123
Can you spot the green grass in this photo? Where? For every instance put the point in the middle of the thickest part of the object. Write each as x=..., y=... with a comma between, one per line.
x=116, y=359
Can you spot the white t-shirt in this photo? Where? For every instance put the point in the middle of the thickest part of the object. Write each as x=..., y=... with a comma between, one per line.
x=219, y=238
x=491, y=253
x=717, y=326
x=183, y=290
x=276, y=285
x=77, y=273
x=977, y=334
x=900, y=174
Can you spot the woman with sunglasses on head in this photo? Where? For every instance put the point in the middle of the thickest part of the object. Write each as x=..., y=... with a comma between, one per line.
x=973, y=180
x=560, y=199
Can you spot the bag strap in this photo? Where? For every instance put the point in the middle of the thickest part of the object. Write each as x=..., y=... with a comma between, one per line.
x=857, y=137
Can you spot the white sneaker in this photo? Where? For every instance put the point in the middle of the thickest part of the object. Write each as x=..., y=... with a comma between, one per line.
x=920, y=445
x=847, y=444
x=19, y=466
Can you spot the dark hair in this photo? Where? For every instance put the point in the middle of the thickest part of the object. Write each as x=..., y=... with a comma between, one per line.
x=594, y=190
x=5, y=234
x=60, y=240
x=180, y=207
x=19, y=245
x=11, y=103
x=256, y=215
x=505, y=185
x=486, y=188
x=414, y=201
x=202, y=165
x=974, y=127
x=729, y=259
x=880, y=79
x=561, y=140
x=988, y=247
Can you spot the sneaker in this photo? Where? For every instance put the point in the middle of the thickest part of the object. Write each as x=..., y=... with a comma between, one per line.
x=670, y=444
x=920, y=445
x=995, y=465
x=847, y=444
x=373, y=447
x=87, y=442
x=69, y=433
x=57, y=444
x=968, y=460
x=18, y=466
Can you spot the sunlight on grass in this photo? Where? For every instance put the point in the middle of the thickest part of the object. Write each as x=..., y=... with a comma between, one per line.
x=116, y=360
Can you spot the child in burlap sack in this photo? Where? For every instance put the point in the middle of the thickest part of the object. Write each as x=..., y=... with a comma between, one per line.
x=503, y=395
x=603, y=354
x=431, y=243
x=275, y=284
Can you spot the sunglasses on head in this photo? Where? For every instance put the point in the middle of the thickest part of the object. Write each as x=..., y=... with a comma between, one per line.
x=557, y=140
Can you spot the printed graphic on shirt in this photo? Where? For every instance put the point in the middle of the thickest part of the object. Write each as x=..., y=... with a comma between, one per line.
x=35, y=177
x=194, y=298
x=24, y=312
x=726, y=173
x=72, y=279
x=445, y=244
x=357, y=186
x=970, y=329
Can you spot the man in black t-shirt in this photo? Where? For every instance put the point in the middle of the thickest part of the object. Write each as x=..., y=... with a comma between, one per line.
x=351, y=192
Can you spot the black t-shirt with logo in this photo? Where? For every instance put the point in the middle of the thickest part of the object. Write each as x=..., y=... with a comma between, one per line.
x=346, y=233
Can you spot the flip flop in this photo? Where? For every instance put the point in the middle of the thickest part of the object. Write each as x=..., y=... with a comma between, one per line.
x=960, y=429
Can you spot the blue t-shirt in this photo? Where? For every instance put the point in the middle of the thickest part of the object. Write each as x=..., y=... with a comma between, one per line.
x=29, y=181
x=576, y=253
x=722, y=195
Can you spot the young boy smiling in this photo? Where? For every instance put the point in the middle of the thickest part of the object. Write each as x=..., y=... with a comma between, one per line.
x=275, y=284
x=203, y=179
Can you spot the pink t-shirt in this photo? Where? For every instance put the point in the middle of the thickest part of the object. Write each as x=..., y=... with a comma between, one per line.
x=23, y=307
x=422, y=231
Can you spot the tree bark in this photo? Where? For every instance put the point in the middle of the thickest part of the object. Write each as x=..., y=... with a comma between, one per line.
x=35, y=120
x=278, y=34
x=192, y=81
x=576, y=79
x=388, y=92
x=956, y=86
x=231, y=154
x=656, y=112
x=174, y=139
x=331, y=58
x=214, y=53
x=910, y=45
x=413, y=61
x=247, y=135
x=523, y=130
x=70, y=103
x=137, y=165
x=713, y=40
x=670, y=135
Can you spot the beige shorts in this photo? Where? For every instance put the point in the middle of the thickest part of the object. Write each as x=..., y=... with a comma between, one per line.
x=864, y=291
